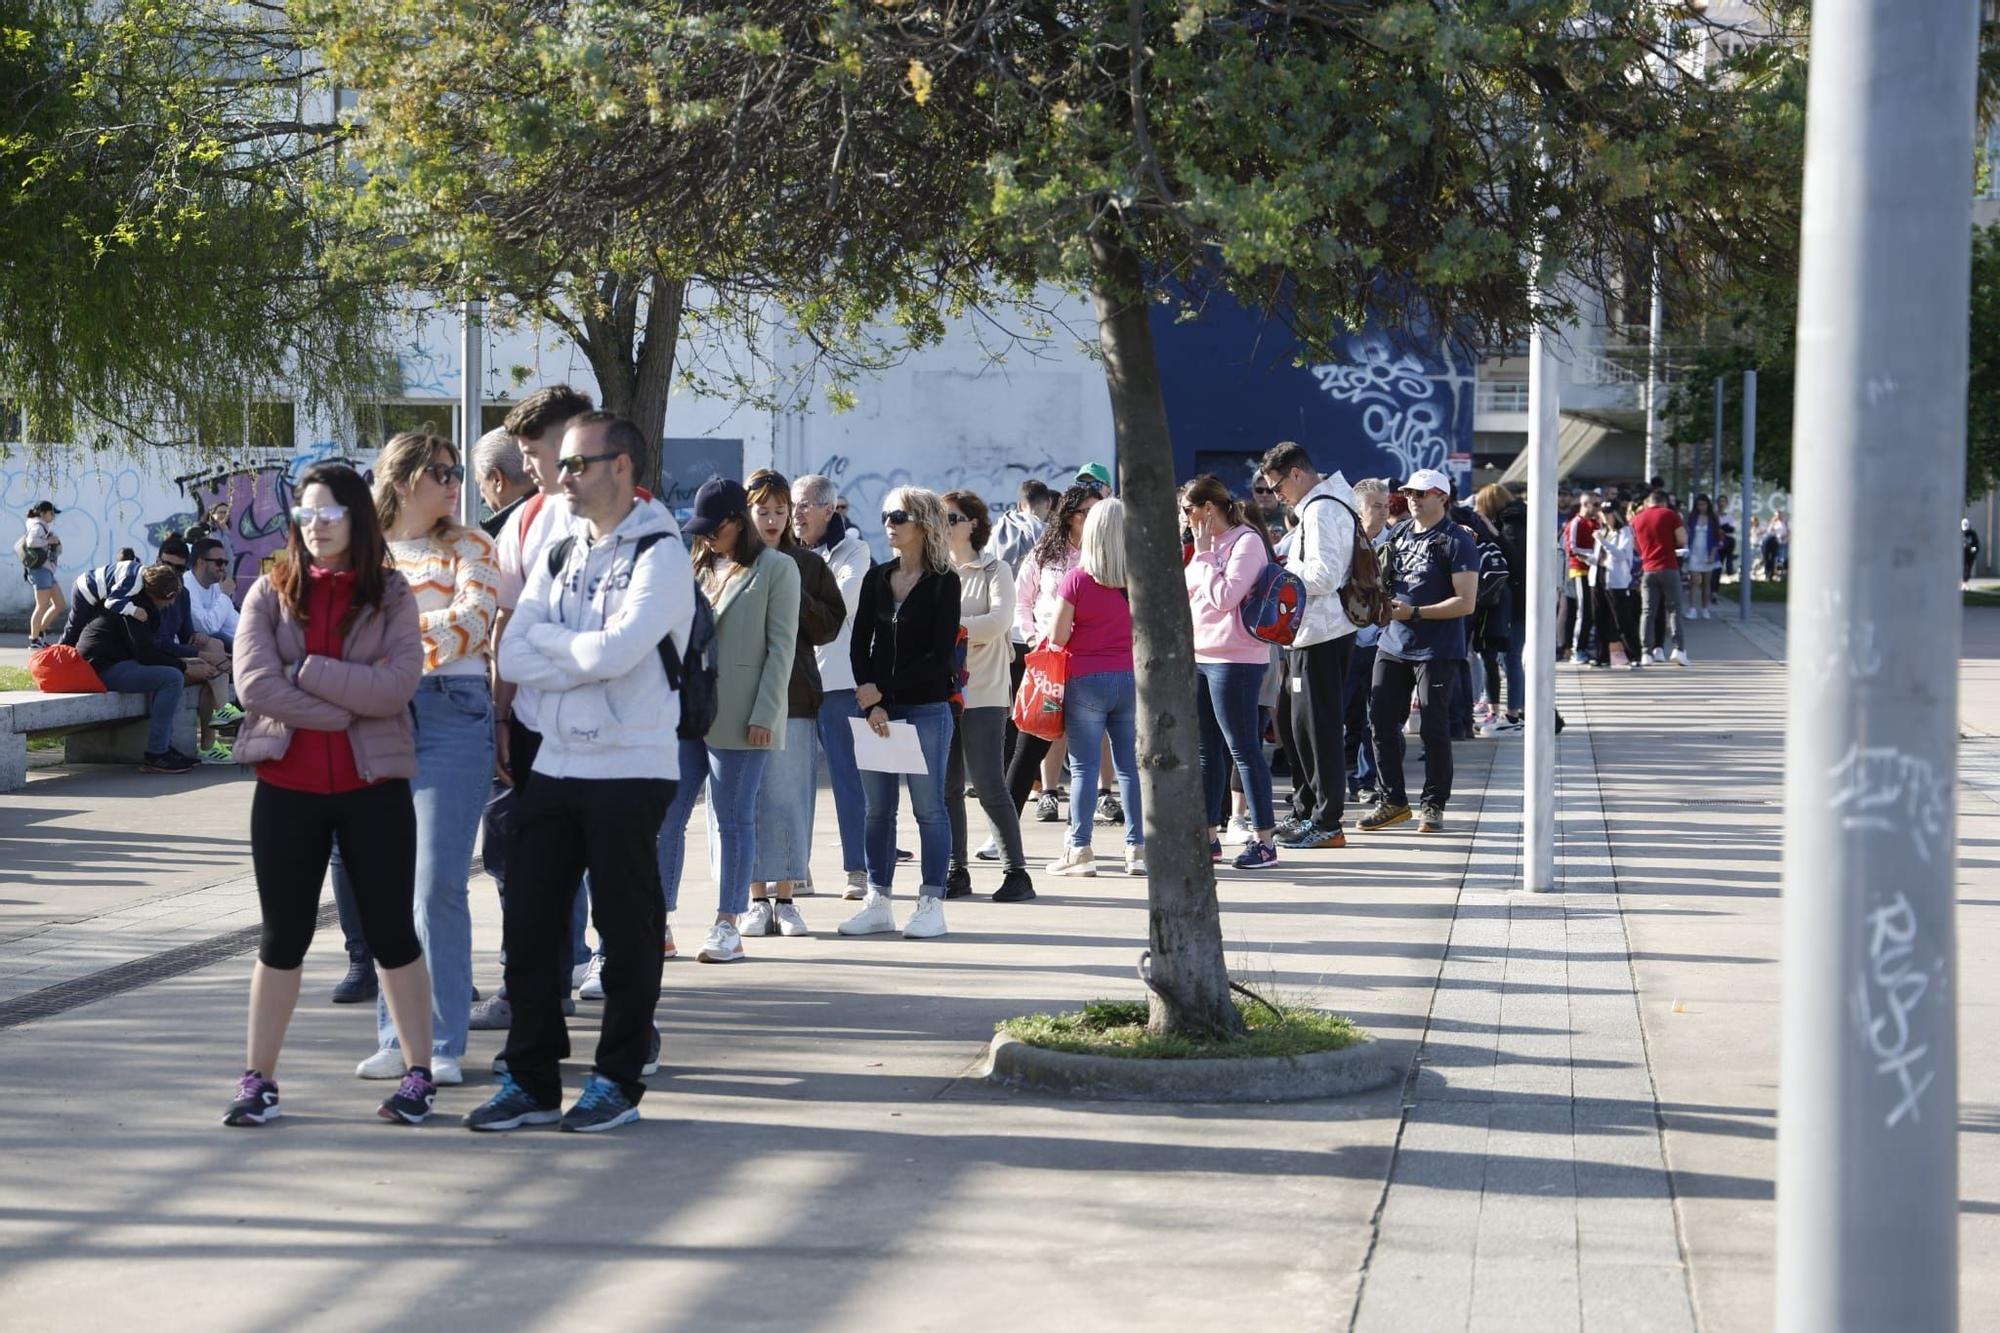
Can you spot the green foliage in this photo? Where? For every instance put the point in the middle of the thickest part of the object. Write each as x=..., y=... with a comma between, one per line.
x=156, y=256
x=1757, y=327
x=1118, y=1027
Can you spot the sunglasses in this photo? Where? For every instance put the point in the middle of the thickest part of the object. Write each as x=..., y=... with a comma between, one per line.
x=575, y=465
x=953, y=520
x=306, y=515
x=895, y=518
x=1263, y=490
x=445, y=474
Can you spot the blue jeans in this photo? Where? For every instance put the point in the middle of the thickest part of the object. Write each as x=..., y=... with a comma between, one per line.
x=850, y=804
x=1227, y=702
x=454, y=724
x=732, y=778
x=934, y=728
x=1094, y=705
x=163, y=683
x=1360, y=736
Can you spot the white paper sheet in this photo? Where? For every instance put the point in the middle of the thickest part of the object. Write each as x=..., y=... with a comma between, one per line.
x=898, y=752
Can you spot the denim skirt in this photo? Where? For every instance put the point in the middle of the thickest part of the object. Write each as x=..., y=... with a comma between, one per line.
x=785, y=806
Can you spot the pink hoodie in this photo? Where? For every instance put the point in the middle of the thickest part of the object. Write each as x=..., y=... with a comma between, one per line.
x=1218, y=580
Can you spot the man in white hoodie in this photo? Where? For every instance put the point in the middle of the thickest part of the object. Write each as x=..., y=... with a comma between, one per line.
x=583, y=647
x=1322, y=555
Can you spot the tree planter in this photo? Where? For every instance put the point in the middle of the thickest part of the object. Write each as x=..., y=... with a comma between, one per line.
x=1362, y=1067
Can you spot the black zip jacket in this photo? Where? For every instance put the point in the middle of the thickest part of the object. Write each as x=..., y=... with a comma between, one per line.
x=117, y=638
x=908, y=654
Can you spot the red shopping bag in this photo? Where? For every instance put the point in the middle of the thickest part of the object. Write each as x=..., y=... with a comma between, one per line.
x=1038, y=708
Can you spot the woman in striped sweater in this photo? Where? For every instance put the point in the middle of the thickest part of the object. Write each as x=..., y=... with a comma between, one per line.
x=453, y=571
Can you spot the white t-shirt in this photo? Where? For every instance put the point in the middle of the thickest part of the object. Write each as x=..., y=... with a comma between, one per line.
x=42, y=535
x=520, y=551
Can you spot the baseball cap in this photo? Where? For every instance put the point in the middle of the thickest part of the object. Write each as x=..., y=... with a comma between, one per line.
x=1096, y=472
x=1427, y=479
x=48, y=505
x=718, y=501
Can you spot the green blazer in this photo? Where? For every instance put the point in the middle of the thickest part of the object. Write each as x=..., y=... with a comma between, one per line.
x=756, y=635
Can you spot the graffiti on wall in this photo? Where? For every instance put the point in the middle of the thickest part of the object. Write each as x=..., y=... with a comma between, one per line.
x=253, y=500
x=1409, y=411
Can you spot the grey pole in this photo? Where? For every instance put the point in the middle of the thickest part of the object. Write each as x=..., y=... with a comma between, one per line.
x=1715, y=453
x=1749, y=488
x=1868, y=1060
x=1538, y=659
x=473, y=371
x=1655, y=322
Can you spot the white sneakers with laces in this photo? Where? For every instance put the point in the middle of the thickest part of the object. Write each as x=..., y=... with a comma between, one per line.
x=1135, y=862
x=1078, y=861
x=857, y=886
x=593, y=979
x=927, y=922
x=758, y=920
x=789, y=921
x=1681, y=657
x=723, y=945
x=874, y=918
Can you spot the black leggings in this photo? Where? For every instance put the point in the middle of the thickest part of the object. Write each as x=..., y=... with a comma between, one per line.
x=291, y=840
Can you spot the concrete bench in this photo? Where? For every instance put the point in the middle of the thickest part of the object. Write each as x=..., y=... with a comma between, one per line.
x=96, y=729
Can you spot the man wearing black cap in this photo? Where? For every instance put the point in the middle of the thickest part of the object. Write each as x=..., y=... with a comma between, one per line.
x=1431, y=567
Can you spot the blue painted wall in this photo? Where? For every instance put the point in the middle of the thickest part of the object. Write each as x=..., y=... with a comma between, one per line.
x=1388, y=406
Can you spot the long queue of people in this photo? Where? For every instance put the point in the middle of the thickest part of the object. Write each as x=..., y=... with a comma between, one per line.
x=577, y=674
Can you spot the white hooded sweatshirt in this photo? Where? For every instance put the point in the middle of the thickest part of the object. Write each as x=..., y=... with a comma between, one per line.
x=584, y=648
x=1322, y=555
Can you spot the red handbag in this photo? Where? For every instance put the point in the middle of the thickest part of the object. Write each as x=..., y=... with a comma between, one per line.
x=60, y=669
x=1038, y=707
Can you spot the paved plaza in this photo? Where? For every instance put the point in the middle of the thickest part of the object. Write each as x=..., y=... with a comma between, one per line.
x=1585, y=1140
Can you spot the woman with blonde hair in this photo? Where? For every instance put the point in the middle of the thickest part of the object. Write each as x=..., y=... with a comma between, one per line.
x=1094, y=621
x=904, y=652
x=454, y=574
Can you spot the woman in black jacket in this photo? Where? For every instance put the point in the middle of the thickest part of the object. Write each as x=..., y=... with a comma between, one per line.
x=906, y=669
x=122, y=649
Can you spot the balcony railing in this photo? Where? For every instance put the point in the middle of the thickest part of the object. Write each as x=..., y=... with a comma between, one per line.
x=1501, y=396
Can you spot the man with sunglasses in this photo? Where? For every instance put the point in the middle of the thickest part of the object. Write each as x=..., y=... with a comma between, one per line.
x=584, y=650
x=213, y=616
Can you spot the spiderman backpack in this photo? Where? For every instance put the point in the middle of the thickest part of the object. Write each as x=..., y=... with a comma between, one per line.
x=1275, y=607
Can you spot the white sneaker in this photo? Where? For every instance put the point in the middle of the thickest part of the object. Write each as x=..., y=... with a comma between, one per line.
x=857, y=886
x=757, y=921
x=446, y=1072
x=927, y=922
x=1135, y=862
x=1659, y=654
x=988, y=851
x=1500, y=726
x=790, y=922
x=593, y=979
x=1075, y=861
x=386, y=1063
x=1239, y=833
x=1681, y=657
x=579, y=972
x=723, y=945
x=874, y=918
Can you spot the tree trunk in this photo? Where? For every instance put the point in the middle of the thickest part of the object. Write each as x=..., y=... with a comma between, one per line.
x=1190, y=977
x=635, y=367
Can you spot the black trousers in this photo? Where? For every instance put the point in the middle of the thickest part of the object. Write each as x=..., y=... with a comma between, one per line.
x=497, y=825
x=1395, y=681
x=291, y=841
x=563, y=827
x=1618, y=616
x=1315, y=684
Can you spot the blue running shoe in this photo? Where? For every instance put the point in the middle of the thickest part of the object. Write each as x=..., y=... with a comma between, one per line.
x=412, y=1100
x=1256, y=856
x=603, y=1106
x=510, y=1108
x=256, y=1101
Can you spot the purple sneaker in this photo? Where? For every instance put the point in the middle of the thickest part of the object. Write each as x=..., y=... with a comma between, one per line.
x=256, y=1101
x=411, y=1101
x=1257, y=856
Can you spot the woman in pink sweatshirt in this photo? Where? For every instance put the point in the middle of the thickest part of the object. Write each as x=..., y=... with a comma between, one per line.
x=1229, y=554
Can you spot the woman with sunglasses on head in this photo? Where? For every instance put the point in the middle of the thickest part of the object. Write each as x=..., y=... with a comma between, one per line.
x=904, y=652
x=979, y=740
x=754, y=592
x=454, y=573
x=329, y=652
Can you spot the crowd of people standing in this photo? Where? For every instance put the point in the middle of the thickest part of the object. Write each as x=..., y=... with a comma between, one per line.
x=562, y=685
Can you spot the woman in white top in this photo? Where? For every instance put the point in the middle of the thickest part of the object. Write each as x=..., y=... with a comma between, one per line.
x=979, y=744
x=41, y=550
x=1611, y=577
x=1704, y=555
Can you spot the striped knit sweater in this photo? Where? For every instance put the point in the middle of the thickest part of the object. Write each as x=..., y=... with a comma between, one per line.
x=457, y=582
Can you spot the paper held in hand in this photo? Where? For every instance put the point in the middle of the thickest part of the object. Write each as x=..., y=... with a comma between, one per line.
x=898, y=752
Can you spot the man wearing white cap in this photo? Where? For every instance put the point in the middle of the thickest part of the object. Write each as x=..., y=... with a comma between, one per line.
x=1431, y=567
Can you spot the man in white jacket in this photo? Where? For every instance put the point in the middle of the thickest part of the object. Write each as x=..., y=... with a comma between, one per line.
x=1322, y=555
x=820, y=528
x=583, y=647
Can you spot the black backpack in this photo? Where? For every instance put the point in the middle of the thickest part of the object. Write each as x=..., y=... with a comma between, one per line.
x=1494, y=572
x=693, y=676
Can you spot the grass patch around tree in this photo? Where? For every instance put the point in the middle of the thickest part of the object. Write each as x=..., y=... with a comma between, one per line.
x=1118, y=1028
